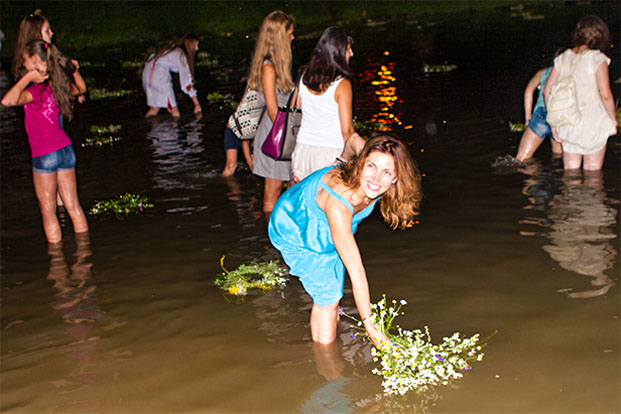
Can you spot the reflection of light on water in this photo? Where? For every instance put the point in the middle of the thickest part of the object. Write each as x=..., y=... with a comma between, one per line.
x=177, y=153
x=380, y=81
x=581, y=224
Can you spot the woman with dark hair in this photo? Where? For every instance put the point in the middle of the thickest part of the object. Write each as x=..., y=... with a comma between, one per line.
x=313, y=225
x=156, y=79
x=584, y=143
x=325, y=95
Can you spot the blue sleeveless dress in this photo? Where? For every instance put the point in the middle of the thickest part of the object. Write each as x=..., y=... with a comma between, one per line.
x=299, y=229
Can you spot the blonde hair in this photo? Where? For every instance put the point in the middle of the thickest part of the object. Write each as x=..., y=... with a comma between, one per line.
x=401, y=203
x=273, y=44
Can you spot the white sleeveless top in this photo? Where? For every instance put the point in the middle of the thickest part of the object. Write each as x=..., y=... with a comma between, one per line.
x=320, y=118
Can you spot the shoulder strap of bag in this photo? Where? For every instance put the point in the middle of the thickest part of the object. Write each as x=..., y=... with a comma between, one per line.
x=296, y=88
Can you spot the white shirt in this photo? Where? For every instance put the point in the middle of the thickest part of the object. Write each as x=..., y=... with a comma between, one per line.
x=321, y=125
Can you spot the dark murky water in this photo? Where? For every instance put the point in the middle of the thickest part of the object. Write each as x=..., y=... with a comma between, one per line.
x=130, y=321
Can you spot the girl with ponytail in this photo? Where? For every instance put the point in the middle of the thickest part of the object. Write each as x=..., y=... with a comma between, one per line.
x=46, y=90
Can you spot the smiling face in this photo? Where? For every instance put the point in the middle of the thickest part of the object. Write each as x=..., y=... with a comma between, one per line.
x=46, y=32
x=378, y=174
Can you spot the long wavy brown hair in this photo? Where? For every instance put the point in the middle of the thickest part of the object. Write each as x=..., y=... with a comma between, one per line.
x=186, y=44
x=273, y=44
x=29, y=29
x=60, y=70
x=401, y=203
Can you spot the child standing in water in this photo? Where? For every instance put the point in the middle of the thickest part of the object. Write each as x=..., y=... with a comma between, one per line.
x=537, y=129
x=156, y=79
x=45, y=90
x=313, y=225
x=585, y=143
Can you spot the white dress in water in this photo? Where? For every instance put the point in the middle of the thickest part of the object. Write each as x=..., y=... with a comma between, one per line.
x=157, y=81
x=592, y=132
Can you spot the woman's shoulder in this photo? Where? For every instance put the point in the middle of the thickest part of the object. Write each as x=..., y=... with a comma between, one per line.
x=597, y=57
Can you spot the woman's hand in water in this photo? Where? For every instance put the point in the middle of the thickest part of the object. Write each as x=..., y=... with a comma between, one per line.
x=378, y=338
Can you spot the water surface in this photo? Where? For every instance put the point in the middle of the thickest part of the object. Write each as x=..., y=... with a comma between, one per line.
x=129, y=320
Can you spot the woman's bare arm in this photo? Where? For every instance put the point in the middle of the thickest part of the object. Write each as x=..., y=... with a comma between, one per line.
x=268, y=81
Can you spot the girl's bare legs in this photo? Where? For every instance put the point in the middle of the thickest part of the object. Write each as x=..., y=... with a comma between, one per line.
x=152, y=112
x=571, y=161
x=271, y=192
x=69, y=192
x=323, y=323
x=528, y=145
x=557, y=147
x=231, y=162
x=45, y=190
x=595, y=161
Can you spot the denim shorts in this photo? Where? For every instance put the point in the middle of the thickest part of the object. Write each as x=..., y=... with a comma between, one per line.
x=232, y=142
x=62, y=159
x=538, y=123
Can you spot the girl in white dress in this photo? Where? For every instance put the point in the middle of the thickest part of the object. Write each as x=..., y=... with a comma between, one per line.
x=585, y=142
x=157, y=81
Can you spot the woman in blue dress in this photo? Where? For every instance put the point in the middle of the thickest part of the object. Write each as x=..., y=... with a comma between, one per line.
x=313, y=225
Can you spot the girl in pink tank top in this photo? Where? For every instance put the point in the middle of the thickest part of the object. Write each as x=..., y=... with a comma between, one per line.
x=45, y=90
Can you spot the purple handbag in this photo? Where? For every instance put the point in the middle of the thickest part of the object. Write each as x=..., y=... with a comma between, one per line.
x=280, y=141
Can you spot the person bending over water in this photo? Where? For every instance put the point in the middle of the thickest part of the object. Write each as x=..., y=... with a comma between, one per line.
x=46, y=89
x=537, y=129
x=313, y=225
x=157, y=81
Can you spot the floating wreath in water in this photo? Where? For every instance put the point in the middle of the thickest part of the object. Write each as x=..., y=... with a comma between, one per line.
x=206, y=59
x=438, y=68
x=226, y=100
x=412, y=362
x=263, y=276
x=103, y=129
x=101, y=138
x=516, y=126
x=122, y=205
x=101, y=93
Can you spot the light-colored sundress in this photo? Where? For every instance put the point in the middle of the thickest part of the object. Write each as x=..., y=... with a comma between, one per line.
x=157, y=81
x=262, y=165
x=299, y=229
x=592, y=132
